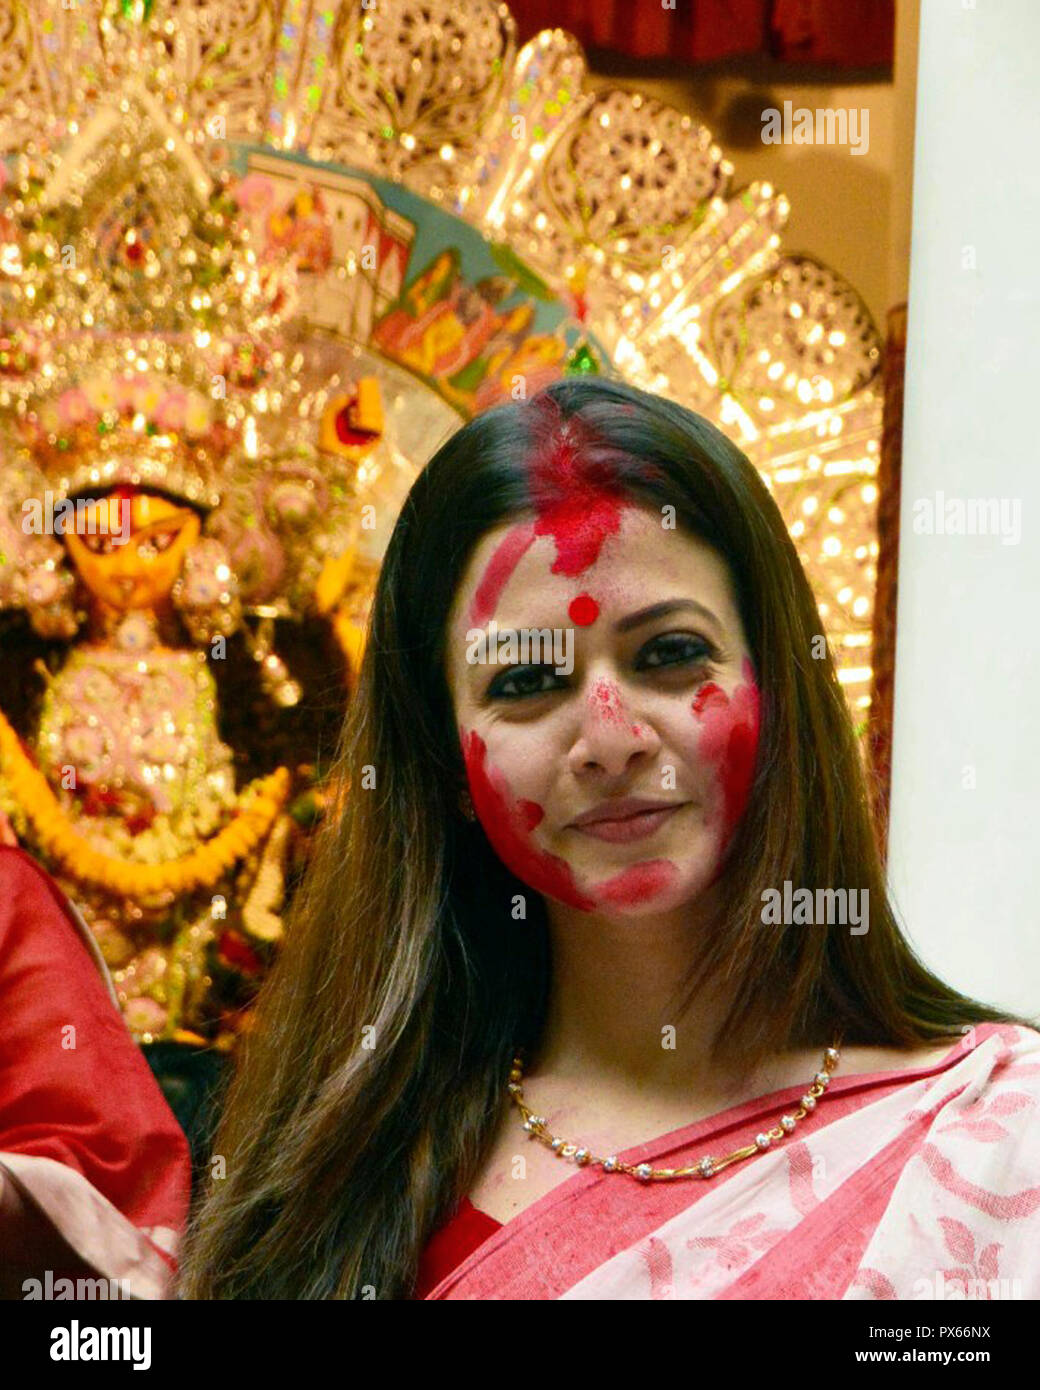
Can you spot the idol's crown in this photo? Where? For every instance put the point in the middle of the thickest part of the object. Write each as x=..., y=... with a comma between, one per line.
x=125, y=231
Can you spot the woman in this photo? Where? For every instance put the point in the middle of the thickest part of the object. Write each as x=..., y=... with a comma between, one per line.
x=568, y=852
x=94, y=1172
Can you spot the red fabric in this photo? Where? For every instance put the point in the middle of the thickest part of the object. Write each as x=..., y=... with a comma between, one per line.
x=449, y=1246
x=95, y=1107
x=908, y=1168
x=856, y=33
x=469, y=1228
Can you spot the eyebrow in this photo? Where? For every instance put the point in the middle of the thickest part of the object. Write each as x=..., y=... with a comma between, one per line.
x=664, y=610
x=165, y=523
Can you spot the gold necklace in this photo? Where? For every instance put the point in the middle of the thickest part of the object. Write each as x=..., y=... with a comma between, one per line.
x=705, y=1167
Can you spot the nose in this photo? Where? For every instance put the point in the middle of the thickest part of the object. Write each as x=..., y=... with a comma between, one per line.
x=610, y=737
x=123, y=562
x=123, y=568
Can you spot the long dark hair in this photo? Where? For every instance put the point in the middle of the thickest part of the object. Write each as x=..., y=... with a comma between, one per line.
x=369, y=1091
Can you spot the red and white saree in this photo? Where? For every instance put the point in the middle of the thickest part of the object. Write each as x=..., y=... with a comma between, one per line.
x=920, y=1184
x=85, y=1133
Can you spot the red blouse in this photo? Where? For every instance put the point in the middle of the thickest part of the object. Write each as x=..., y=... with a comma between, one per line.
x=451, y=1244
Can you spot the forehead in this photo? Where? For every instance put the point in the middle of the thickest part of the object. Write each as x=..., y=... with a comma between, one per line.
x=642, y=557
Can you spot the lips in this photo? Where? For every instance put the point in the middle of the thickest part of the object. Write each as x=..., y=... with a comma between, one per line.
x=623, y=821
x=622, y=810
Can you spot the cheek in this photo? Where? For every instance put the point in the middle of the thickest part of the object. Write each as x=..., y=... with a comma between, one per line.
x=509, y=823
x=727, y=739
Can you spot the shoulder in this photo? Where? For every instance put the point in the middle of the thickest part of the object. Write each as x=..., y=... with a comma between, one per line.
x=964, y=1217
x=28, y=894
x=16, y=863
x=25, y=886
x=983, y=1134
x=995, y=1048
x=975, y=1124
x=991, y=1058
x=1010, y=1050
x=40, y=930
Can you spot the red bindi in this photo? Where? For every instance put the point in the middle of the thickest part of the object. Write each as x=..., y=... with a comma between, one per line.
x=583, y=610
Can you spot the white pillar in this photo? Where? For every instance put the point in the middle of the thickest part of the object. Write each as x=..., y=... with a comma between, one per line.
x=964, y=844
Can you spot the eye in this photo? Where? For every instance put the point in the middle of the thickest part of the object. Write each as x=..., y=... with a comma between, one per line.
x=96, y=543
x=521, y=681
x=157, y=542
x=676, y=649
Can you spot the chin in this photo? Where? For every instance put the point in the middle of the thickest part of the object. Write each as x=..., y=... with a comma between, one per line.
x=645, y=886
x=684, y=891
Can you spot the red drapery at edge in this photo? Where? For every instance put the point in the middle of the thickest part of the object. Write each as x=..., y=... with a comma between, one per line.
x=855, y=33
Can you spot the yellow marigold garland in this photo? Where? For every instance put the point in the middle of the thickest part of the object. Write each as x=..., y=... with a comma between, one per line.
x=351, y=638
x=260, y=803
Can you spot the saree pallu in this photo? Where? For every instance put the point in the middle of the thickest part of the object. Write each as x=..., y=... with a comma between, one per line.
x=918, y=1184
x=85, y=1133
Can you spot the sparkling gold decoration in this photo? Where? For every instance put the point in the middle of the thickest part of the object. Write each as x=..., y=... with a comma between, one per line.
x=150, y=344
x=208, y=295
x=686, y=281
x=145, y=347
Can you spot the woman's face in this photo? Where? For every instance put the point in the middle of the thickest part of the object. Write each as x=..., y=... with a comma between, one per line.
x=660, y=707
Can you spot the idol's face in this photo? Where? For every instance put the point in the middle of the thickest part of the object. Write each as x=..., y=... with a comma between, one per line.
x=131, y=549
x=611, y=778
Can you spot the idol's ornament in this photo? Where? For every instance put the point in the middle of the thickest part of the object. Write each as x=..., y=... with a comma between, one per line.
x=221, y=366
x=171, y=489
x=257, y=260
x=447, y=190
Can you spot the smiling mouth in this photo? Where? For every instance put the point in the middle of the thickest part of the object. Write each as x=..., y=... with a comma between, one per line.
x=632, y=827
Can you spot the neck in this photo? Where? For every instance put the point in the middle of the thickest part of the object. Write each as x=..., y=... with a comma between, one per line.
x=613, y=1018
x=105, y=622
